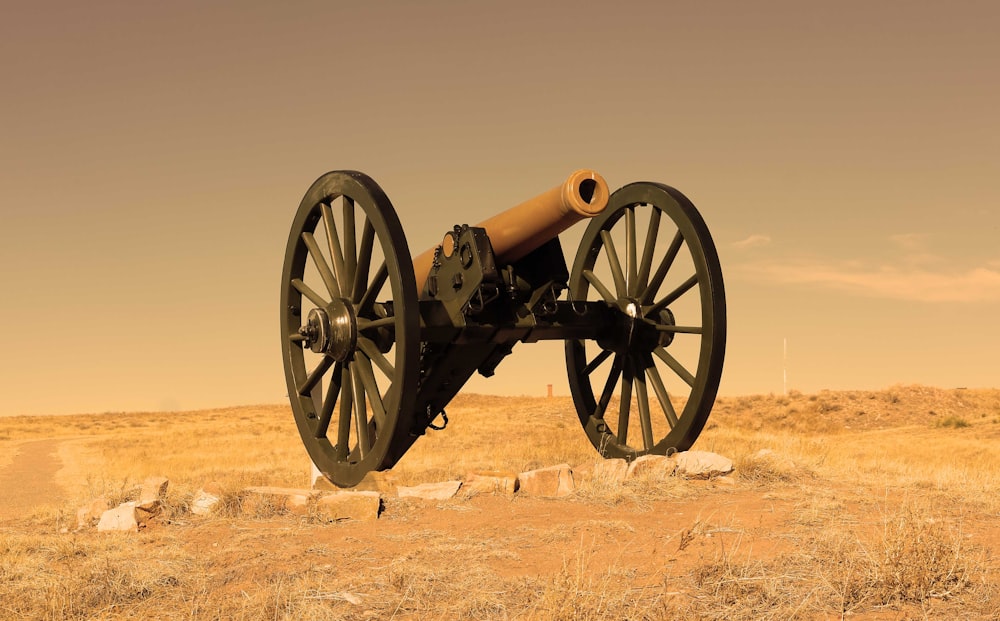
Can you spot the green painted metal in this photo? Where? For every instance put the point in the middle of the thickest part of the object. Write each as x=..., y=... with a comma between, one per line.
x=371, y=362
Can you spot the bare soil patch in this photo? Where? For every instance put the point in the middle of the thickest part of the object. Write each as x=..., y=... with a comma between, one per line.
x=29, y=480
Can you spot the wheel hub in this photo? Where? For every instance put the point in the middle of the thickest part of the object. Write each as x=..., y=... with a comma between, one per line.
x=637, y=332
x=629, y=328
x=666, y=318
x=332, y=330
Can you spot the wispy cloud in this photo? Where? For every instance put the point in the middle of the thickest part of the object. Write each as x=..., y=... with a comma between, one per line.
x=977, y=284
x=914, y=249
x=753, y=241
x=908, y=271
x=909, y=241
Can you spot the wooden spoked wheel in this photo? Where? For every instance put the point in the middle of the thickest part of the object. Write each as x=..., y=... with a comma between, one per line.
x=349, y=327
x=648, y=384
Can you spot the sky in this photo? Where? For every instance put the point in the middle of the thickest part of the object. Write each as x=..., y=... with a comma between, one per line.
x=846, y=157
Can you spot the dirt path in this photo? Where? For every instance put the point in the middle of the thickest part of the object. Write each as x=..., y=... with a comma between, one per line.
x=29, y=480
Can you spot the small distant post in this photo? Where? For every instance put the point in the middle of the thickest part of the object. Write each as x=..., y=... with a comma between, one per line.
x=784, y=369
x=550, y=390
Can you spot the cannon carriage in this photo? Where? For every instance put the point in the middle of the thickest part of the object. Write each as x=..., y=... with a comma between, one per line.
x=376, y=343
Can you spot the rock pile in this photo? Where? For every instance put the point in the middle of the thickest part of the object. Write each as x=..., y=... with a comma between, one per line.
x=329, y=506
x=559, y=481
x=128, y=516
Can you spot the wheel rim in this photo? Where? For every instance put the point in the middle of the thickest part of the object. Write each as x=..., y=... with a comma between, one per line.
x=657, y=371
x=349, y=327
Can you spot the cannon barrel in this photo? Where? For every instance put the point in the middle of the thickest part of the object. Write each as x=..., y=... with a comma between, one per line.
x=521, y=229
x=371, y=362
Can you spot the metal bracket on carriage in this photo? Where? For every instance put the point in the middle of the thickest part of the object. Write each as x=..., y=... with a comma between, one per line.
x=424, y=420
x=431, y=416
x=543, y=303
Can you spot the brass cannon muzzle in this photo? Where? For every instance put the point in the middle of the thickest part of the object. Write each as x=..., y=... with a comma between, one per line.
x=521, y=229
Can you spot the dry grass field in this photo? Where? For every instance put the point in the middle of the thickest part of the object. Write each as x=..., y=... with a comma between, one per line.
x=864, y=505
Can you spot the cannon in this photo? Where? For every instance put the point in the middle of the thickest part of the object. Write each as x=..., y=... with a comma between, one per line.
x=376, y=343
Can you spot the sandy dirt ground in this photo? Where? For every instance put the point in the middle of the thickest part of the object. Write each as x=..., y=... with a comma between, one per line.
x=29, y=480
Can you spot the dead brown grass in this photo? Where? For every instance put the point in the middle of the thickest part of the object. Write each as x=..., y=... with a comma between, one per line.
x=910, y=562
x=851, y=503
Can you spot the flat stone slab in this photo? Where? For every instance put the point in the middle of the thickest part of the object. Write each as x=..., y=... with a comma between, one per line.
x=609, y=471
x=348, y=506
x=430, y=491
x=153, y=489
x=651, y=467
x=702, y=465
x=553, y=481
x=502, y=483
x=119, y=519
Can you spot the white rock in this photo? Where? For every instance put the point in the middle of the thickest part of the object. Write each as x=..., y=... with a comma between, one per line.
x=552, y=481
x=504, y=483
x=651, y=466
x=153, y=489
x=430, y=491
x=702, y=465
x=121, y=518
x=204, y=503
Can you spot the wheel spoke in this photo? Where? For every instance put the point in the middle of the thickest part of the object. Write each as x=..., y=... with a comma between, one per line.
x=661, y=394
x=368, y=347
x=679, y=329
x=315, y=376
x=625, y=404
x=367, y=375
x=350, y=246
x=675, y=366
x=296, y=338
x=594, y=280
x=332, y=392
x=346, y=409
x=642, y=397
x=631, y=272
x=366, y=303
x=331, y=282
x=364, y=261
x=673, y=295
x=661, y=271
x=360, y=413
x=609, y=386
x=616, y=265
x=647, y=253
x=314, y=297
x=596, y=362
x=333, y=239
x=368, y=324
